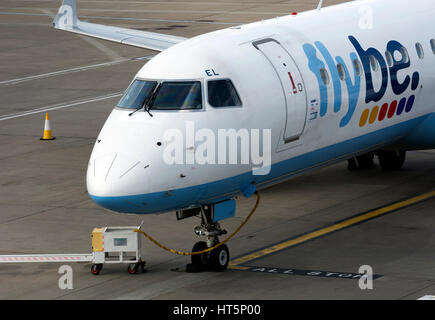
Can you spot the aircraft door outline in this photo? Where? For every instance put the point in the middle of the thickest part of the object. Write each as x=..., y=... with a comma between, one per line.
x=292, y=85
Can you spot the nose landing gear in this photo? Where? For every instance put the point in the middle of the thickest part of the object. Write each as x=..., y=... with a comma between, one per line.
x=215, y=260
x=210, y=254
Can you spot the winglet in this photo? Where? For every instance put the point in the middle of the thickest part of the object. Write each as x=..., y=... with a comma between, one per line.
x=67, y=20
x=66, y=17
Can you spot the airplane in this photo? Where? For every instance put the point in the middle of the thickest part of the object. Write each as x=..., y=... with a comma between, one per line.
x=310, y=89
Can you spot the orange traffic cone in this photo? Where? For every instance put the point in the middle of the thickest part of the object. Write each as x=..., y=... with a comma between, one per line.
x=47, y=129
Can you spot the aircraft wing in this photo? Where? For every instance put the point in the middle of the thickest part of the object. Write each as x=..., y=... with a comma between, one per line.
x=67, y=20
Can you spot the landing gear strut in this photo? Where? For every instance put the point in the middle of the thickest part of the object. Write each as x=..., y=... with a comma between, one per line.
x=365, y=161
x=389, y=160
x=215, y=260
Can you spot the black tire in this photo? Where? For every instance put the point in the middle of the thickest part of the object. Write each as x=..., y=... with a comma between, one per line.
x=132, y=269
x=366, y=161
x=352, y=165
x=362, y=162
x=200, y=261
x=96, y=268
x=391, y=160
x=219, y=258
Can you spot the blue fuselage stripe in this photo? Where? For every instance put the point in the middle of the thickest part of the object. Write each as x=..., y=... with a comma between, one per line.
x=225, y=188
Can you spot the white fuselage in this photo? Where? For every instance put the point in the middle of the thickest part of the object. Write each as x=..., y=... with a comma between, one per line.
x=276, y=67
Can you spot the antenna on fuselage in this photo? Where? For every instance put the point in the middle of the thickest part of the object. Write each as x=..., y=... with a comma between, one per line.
x=320, y=5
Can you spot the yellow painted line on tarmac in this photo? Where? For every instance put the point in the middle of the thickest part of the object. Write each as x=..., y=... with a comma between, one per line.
x=235, y=267
x=235, y=264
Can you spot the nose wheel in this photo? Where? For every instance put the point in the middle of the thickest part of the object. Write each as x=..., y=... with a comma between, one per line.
x=199, y=262
x=215, y=260
x=219, y=258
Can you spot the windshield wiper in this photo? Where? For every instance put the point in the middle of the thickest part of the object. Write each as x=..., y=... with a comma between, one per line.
x=149, y=102
x=131, y=113
x=143, y=105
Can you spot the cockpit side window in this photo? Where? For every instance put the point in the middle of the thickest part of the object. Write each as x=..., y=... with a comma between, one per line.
x=221, y=93
x=136, y=94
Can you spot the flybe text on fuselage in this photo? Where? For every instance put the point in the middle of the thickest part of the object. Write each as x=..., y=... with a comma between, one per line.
x=398, y=62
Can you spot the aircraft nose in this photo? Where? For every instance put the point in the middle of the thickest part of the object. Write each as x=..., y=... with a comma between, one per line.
x=113, y=175
x=121, y=184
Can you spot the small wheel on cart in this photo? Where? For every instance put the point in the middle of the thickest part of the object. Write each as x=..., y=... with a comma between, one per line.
x=96, y=268
x=132, y=268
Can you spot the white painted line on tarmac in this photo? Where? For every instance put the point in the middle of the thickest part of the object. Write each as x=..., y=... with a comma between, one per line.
x=59, y=106
x=159, y=2
x=72, y=70
x=241, y=12
x=61, y=72
x=129, y=19
x=98, y=44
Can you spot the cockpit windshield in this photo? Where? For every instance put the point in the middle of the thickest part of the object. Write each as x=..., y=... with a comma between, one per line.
x=168, y=95
x=185, y=95
x=135, y=95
